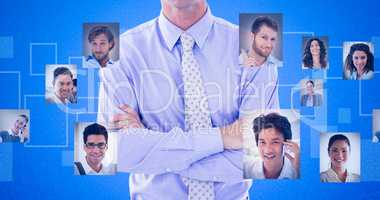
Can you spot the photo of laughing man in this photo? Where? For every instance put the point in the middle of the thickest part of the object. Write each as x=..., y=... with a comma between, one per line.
x=279, y=155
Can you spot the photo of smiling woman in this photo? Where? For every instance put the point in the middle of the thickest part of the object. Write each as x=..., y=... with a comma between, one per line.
x=315, y=53
x=359, y=61
x=340, y=157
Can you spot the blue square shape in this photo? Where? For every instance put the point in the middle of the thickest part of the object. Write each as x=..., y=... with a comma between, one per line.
x=6, y=47
x=344, y=115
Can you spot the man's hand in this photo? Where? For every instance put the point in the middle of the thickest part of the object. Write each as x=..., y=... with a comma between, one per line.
x=24, y=136
x=250, y=61
x=128, y=119
x=295, y=157
x=232, y=135
x=25, y=133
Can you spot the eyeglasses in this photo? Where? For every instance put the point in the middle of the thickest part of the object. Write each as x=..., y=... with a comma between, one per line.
x=92, y=145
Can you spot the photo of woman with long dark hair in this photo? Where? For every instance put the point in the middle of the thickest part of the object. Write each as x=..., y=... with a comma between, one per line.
x=315, y=54
x=359, y=63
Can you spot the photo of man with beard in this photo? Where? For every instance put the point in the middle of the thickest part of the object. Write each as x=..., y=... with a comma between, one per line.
x=100, y=44
x=263, y=40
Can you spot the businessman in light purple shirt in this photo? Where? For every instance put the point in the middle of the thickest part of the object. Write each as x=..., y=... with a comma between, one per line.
x=145, y=91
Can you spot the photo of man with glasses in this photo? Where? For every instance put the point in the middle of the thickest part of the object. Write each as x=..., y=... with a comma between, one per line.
x=95, y=145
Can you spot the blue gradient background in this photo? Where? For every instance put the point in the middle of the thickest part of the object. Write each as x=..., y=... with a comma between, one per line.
x=43, y=168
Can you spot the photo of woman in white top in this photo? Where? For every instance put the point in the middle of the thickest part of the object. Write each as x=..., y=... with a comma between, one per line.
x=339, y=150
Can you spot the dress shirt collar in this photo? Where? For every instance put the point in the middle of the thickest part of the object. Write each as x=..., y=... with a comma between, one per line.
x=271, y=59
x=89, y=170
x=11, y=133
x=286, y=171
x=57, y=100
x=199, y=31
x=92, y=58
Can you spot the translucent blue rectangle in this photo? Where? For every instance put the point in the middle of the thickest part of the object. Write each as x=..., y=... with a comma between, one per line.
x=6, y=161
x=41, y=55
x=370, y=164
x=48, y=124
x=6, y=47
x=10, y=93
x=376, y=43
x=314, y=143
x=344, y=115
x=67, y=158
